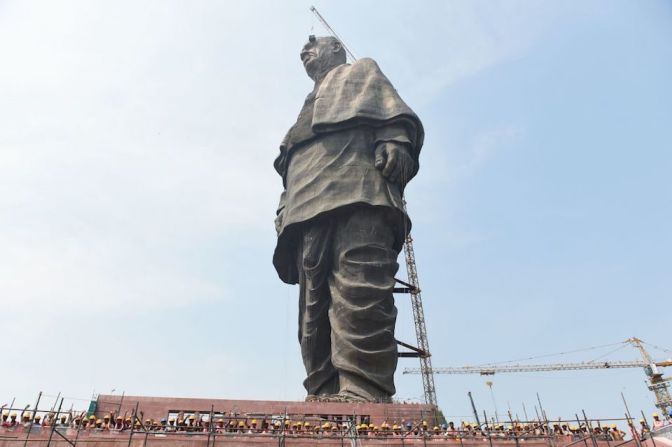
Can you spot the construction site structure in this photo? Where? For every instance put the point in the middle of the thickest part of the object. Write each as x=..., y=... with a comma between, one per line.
x=656, y=382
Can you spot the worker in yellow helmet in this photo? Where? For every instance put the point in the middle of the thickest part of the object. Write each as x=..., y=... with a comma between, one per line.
x=242, y=428
x=27, y=420
x=117, y=424
x=253, y=427
x=12, y=420
x=641, y=431
x=658, y=423
x=170, y=427
x=616, y=433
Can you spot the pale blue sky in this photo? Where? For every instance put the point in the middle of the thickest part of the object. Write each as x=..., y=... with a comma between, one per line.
x=137, y=192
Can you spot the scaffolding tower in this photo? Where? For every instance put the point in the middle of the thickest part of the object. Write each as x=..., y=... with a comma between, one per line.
x=419, y=320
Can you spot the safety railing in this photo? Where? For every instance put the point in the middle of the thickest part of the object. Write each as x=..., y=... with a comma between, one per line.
x=350, y=435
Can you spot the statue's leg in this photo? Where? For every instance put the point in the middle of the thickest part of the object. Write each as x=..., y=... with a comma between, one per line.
x=314, y=265
x=362, y=312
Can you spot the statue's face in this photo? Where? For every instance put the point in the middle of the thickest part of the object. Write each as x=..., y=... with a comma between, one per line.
x=319, y=55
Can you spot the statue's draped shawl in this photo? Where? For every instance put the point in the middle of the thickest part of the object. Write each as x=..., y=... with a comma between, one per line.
x=354, y=106
x=360, y=94
x=356, y=95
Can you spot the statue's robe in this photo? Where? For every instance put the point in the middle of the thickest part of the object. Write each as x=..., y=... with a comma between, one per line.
x=341, y=225
x=327, y=158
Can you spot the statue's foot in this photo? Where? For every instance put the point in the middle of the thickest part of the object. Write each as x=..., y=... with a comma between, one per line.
x=344, y=397
x=350, y=397
x=317, y=397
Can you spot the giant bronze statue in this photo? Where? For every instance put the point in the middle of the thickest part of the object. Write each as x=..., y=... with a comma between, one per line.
x=341, y=221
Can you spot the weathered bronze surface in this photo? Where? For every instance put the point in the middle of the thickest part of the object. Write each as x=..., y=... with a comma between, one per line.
x=341, y=221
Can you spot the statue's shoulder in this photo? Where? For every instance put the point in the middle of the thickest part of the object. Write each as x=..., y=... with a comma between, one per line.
x=365, y=68
x=365, y=63
x=360, y=65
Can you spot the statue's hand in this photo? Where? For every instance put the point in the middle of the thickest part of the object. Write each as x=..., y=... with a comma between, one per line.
x=395, y=162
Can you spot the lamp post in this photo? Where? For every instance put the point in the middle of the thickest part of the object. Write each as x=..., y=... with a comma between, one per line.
x=489, y=383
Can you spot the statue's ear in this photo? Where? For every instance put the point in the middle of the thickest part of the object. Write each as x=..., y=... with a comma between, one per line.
x=336, y=47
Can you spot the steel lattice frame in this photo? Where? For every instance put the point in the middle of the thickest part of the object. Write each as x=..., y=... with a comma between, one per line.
x=420, y=328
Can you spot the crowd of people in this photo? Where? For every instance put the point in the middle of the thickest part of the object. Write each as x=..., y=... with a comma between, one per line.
x=275, y=426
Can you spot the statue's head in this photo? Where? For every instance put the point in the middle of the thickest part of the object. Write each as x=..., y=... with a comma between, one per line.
x=321, y=54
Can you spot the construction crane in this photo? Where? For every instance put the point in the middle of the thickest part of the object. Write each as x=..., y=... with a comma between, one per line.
x=331, y=31
x=492, y=370
x=411, y=287
x=656, y=382
x=659, y=385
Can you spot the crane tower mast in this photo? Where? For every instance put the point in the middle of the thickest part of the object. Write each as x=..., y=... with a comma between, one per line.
x=657, y=384
x=420, y=328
